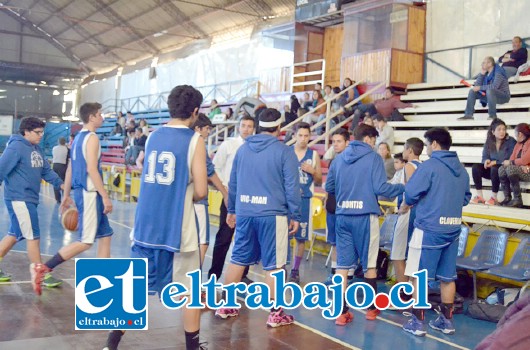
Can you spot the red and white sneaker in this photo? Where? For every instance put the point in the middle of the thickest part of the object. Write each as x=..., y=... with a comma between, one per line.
x=344, y=319
x=478, y=200
x=225, y=313
x=279, y=318
x=38, y=271
x=372, y=314
x=492, y=201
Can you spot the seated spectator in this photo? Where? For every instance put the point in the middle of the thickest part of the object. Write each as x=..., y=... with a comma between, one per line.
x=514, y=58
x=491, y=88
x=307, y=103
x=318, y=101
x=139, y=145
x=368, y=120
x=295, y=105
x=512, y=329
x=131, y=125
x=318, y=87
x=130, y=118
x=385, y=106
x=386, y=132
x=498, y=148
x=117, y=131
x=351, y=94
x=128, y=144
x=288, y=116
x=229, y=113
x=517, y=168
x=214, y=109
x=384, y=151
x=328, y=93
x=145, y=128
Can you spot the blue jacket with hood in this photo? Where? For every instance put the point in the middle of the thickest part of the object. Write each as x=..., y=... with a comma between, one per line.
x=356, y=177
x=439, y=189
x=264, y=179
x=22, y=166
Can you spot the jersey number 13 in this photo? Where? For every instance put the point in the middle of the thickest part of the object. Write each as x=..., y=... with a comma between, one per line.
x=167, y=176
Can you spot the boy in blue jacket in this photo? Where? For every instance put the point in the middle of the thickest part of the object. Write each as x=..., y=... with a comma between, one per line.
x=439, y=189
x=22, y=166
x=356, y=178
x=263, y=193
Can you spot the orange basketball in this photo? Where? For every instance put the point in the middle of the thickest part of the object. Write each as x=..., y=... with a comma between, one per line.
x=70, y=219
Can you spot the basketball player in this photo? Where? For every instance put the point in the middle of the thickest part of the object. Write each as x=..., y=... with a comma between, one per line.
x=173, y=178
x=357, y=177
x=310, y=173
x=92, y=201
x=405, y=222
x=439, y=189
x=22, y=167
x=264, y=191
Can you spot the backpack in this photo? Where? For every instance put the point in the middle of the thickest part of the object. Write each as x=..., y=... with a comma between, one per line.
x=382, y=265
x=435, y=298
x=464, y=284
x=482, y=311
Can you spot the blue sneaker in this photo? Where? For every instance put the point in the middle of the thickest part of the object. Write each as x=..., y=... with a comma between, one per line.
x=329, y=281
x=414, y=326
x=442, y=324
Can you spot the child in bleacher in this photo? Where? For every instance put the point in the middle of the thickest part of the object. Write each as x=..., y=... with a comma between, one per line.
x=310, y=173
x=356, y=178
x=404, y=226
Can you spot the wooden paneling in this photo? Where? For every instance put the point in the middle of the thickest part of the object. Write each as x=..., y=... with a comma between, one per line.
x=333, y=40
x=371, y=66
x=416, y=30
x=406, y=68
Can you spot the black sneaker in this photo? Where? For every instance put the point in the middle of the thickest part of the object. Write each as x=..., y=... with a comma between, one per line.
x=491, y=117
x=466, y=117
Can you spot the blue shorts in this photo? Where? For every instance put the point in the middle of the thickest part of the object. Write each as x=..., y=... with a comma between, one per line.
x=331, y=236
x=164, y=267
x=92, y=222
x=306, y=222
x=203, y=222
x=264, y=239
x=24, y=220
x=440, y=261
x=357, y=239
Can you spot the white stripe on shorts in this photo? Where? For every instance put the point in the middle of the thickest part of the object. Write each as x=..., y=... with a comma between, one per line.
x=24, y=219
x=282, y=240
x=90, y=217
x=415, y=247
x=183, y=263
x=399, y=241
x=200, y=211
x=373, y=249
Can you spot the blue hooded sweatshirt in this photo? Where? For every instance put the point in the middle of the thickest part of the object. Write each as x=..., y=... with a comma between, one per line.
x=439, y=189
x=356, y=177
x=22, y=166
x=264, y=179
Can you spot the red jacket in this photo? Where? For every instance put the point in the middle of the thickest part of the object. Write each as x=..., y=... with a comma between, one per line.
x=524, y=158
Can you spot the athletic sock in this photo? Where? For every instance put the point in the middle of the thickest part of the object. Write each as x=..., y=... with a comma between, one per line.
x=333, y=267
x=297, y=261
x=447, y=310
x=345, y=307
x=419, y=313
x=57, y=259
x=372, y=282
x=114, y=339
x=192, y=340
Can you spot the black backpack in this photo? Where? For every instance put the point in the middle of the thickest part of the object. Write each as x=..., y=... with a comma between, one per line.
x=435, y=299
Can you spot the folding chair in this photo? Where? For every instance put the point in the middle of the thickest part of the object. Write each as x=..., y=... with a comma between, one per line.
x=462, y=241
x=487, y=253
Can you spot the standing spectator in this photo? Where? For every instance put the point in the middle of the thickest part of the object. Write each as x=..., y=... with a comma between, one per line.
x=517, y=168
x=491, y=88
x=385, y=106
x=514, y=58
x=223, y=167
x=214, y=109
x=439, y=189
x=384, y=151
x=60, y=155
x=386, y=132
x=121, y=120
x=295, y=105
x=498, y=148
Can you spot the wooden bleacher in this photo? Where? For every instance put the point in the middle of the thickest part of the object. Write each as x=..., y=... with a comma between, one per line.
x=439, y=105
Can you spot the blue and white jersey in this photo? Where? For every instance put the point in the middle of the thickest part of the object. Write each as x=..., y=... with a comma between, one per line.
x=306, y=180
x=80, y=178
x=165, y=216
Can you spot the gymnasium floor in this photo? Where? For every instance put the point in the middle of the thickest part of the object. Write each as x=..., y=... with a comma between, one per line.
x=28, y=322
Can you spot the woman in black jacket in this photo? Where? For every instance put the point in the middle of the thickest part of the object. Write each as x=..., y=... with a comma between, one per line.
x=498, y=148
